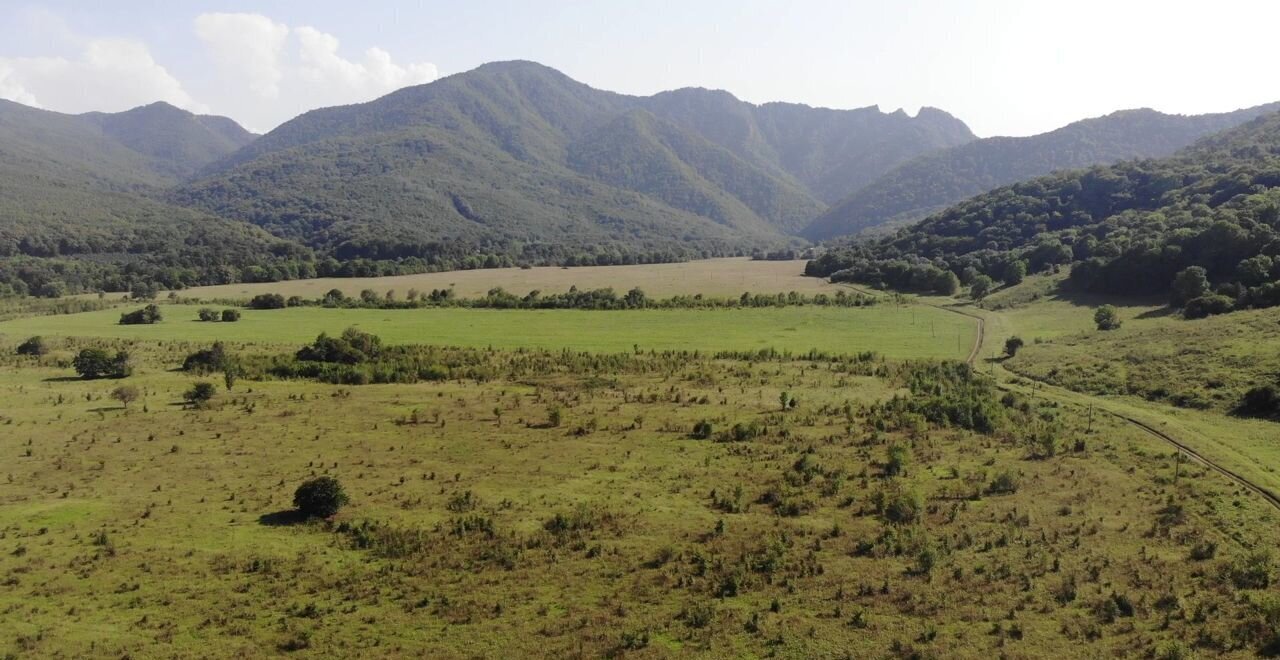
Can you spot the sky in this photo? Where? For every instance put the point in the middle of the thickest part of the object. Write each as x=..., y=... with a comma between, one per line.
x=1005, y=67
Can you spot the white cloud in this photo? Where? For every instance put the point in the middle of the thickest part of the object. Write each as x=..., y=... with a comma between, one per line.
x=269, y=72
x=262, y=72
x=246, y=46
x=108, y=74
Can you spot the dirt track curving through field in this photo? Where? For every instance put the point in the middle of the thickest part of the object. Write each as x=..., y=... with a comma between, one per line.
x=1271, y=498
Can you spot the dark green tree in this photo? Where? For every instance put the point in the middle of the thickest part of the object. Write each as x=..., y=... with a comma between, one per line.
x=35, y=346
x=1014, y=272
x=200, y=393
x=982, y=286
x=1190, y=283
x=145, y=316
x=1106, y=318
x=320, y=497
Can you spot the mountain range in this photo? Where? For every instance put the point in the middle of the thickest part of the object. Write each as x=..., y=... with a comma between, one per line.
x=935, y=181
x=512, y=162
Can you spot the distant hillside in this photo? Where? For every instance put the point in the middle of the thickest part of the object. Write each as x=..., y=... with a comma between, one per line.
x=931, y=182
x=176, y=142
x=1208, y=217
x=830, y=152
x=518, y=158
x=69, y=191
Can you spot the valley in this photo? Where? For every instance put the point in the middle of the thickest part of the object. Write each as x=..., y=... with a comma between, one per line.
x=308, y=350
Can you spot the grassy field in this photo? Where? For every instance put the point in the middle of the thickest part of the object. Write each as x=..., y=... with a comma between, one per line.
x=1184, y=377
x=559, y=505
x=712, y=277
x=894, y=331
x=162, y=531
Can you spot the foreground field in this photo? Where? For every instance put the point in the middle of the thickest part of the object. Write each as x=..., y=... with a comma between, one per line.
x=890, y=330
x=846, y=525
x=712, y=277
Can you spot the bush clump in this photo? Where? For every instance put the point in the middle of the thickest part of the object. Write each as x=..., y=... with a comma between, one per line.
x=267, y=301
x=320, y=497
x=145, y=316
x=94, y=363
x=35, y=347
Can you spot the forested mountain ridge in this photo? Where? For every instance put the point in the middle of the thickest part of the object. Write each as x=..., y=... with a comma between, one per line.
x=1202, y=226
x=79, y=211
x=178, y=143
x=522, y=160
x=931, y=182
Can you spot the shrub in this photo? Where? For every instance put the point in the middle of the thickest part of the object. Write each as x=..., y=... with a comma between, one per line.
x=145, y=316
x=1261, y=401
x=702, y=430
x=900, y=507
x=896, y=462
x=1005, y=483
x=1011, y=346
x=267, y=301
x=1198, y=308
x=230, y=315
x=1252, y=571
x=320, y=497
x=200, y=393
x=34, y=346
x=208, y=360
x=207, y=315
x=1106, y=318
x=92, y=363
x=353, y=347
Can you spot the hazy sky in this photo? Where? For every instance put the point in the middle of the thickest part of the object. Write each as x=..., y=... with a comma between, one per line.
x=1007, y=67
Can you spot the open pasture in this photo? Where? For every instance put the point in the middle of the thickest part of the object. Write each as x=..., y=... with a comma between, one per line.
x=889, y=330
x=711, y=277
x=481, y=525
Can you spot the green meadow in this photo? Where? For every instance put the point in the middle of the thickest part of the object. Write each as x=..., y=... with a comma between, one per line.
x=889, y=330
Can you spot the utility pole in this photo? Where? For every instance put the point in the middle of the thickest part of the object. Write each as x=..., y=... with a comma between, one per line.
x=1090, y=429
x=1177, y=467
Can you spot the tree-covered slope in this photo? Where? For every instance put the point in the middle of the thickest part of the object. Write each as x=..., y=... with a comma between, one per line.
x=78, y=210
x=176, y=142
x=830, y=152
x=521, y=159
x=1206, y=218
x=929, y=183
x=637, y=151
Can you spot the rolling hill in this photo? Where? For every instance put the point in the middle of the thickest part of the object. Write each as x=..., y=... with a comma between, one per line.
x=1202, y=226
x=177, y=143
x=79, y=208
x=934, y=181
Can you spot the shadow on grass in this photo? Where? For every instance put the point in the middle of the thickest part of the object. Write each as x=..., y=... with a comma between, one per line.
x=63, y=379
x=1088, y=299
x=283, y=518
x=1158, y=313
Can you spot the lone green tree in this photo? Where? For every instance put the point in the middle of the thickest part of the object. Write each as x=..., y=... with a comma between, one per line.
x=1106, y=318
x=1011, y=346
x=320, y=497
x=125, y=394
